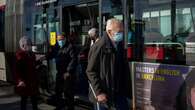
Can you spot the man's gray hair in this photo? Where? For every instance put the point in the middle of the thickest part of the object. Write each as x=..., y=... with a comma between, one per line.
x=110, y=22
x=24, y=41
x=93, y=32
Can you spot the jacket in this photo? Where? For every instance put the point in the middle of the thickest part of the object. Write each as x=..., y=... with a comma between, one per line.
x=65, y=57
x=26, y=72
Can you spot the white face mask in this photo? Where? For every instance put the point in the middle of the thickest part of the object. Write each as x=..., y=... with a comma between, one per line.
x=61, y=43
x=118, y=37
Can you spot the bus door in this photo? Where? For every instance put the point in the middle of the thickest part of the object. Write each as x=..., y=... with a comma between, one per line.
x=76, y=22
x=162, y=51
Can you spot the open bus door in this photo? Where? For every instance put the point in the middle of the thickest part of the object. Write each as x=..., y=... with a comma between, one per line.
x=77, y=20
x=73, y=21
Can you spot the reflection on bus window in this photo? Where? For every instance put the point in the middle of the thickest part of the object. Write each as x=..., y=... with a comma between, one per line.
x=41, y=33
x=166, y=26
x=159, y=22
x=110, y=9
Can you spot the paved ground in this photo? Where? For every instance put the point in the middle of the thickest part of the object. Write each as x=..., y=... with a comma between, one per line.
x=13, y=103
x=10, y=101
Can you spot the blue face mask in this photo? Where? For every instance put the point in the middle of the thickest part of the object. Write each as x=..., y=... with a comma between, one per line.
x=118, y=37
x=61, y=43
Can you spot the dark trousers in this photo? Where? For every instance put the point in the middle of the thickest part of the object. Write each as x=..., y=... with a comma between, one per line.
x=65, y=87
x=33, y=101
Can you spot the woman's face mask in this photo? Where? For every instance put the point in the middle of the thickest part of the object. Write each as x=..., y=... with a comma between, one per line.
x=61, y=43
x=118, y=37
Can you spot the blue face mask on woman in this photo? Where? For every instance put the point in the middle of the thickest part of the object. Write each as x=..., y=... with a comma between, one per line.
x=118, y=37
x=61, y=43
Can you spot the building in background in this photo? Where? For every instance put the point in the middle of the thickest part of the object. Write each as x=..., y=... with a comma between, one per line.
x=2, y=18
x=2, y=44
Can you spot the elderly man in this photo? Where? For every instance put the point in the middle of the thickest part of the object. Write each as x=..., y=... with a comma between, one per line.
x=93, y=34
x=66, y=61
x=107, y=69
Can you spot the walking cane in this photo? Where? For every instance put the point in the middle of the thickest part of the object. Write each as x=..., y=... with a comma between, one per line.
x=98, y=105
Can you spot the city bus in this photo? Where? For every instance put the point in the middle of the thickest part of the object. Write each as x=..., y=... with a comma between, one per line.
x=159, y=41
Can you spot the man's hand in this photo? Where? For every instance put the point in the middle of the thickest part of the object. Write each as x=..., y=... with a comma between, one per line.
x=102, y=98
x=66, y=76
x=21, y=84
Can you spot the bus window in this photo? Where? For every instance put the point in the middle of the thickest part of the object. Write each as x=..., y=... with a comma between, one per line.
x=111, y=9
x=165, y=26
x=44, y=24
x=39, y=33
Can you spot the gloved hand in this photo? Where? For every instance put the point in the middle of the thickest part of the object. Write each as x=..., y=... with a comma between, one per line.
x=66, y=75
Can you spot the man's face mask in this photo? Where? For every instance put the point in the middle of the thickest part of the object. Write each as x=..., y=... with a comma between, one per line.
x=61, y=43
x=118, y=37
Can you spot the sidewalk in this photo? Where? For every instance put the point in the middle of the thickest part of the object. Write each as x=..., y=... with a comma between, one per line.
x=10, y=101
x=6, y=89
x=3, y=83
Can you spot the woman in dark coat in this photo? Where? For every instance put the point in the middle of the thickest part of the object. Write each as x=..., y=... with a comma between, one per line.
x=26, y=77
